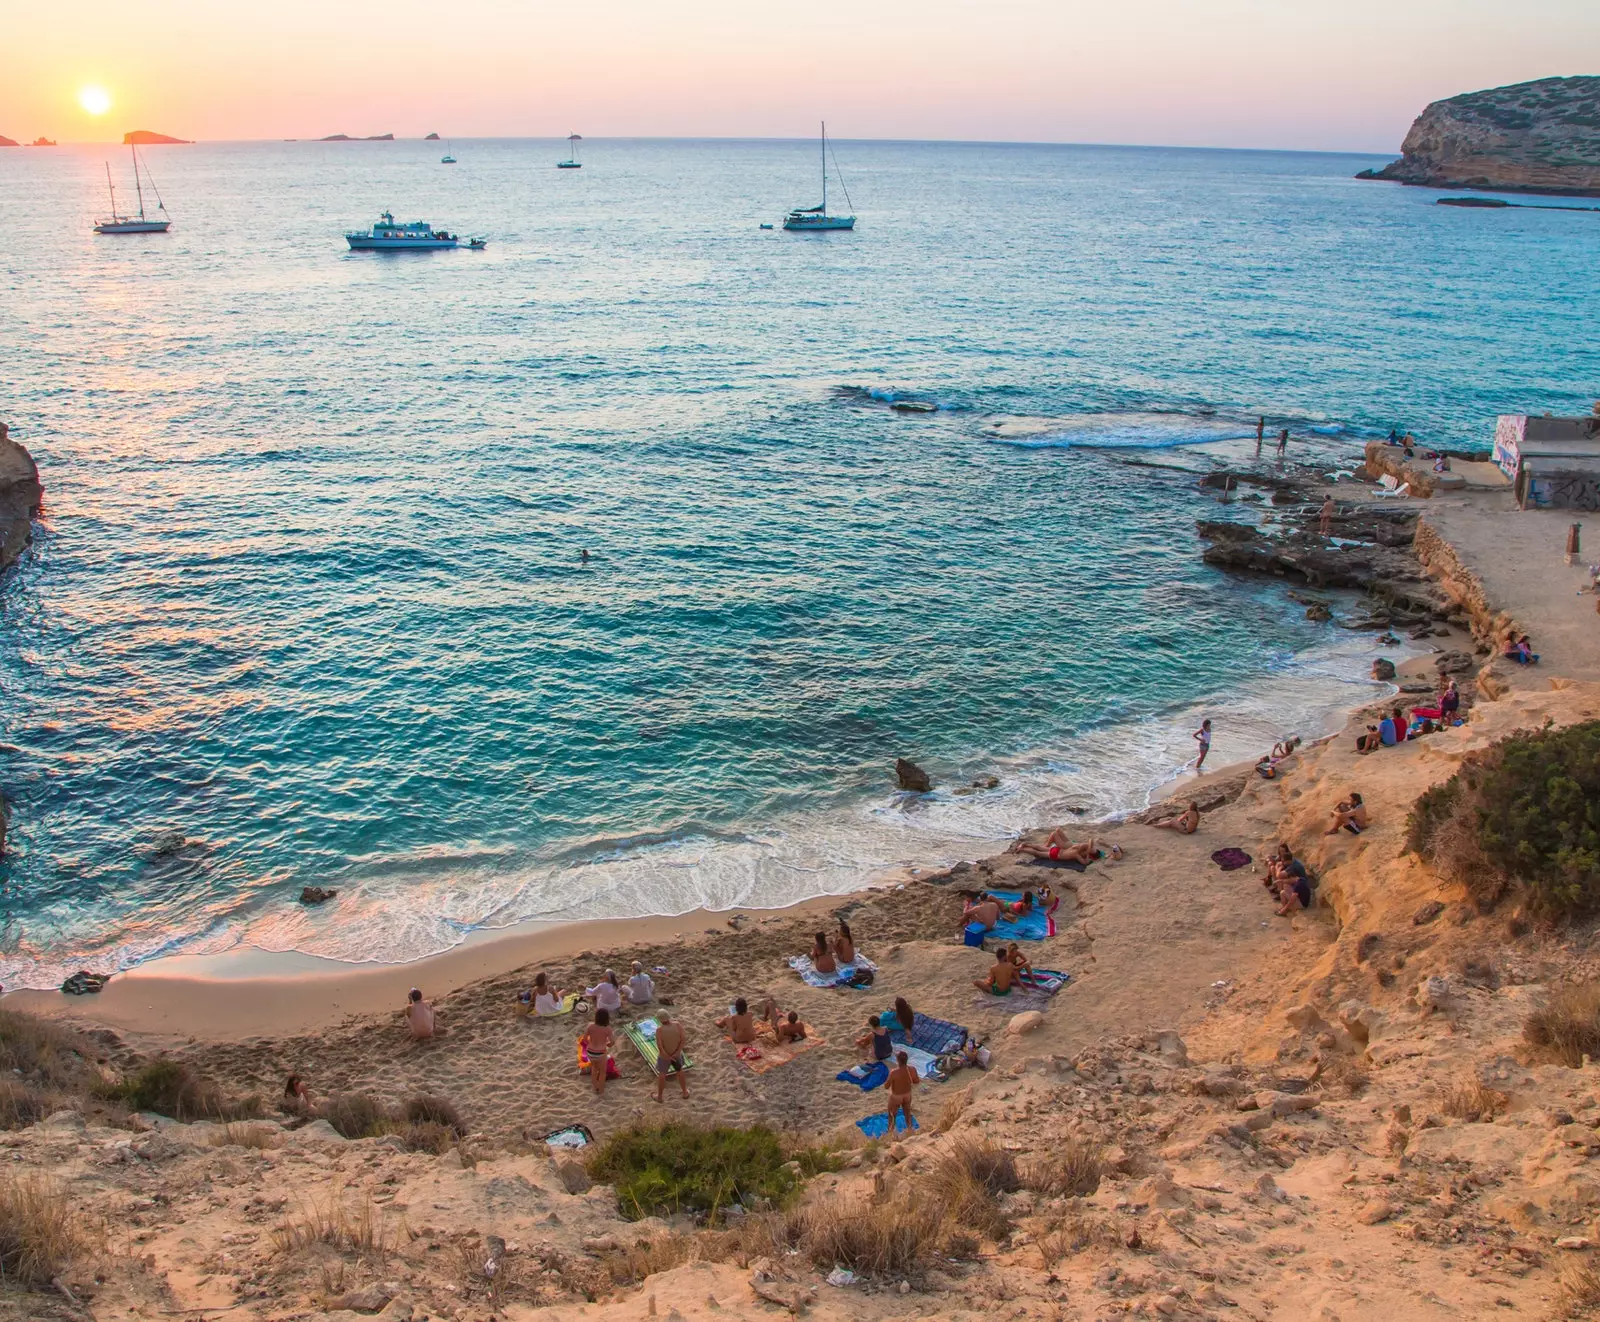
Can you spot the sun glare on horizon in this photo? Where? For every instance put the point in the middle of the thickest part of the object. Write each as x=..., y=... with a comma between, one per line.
x=95, y=100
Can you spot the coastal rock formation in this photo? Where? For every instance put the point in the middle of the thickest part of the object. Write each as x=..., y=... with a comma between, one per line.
x=1538, y=137
x=146, y=138
x=20, y=498
x=7, y=142
x=911, y=776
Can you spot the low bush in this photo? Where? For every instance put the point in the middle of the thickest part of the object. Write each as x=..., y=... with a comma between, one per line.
x=1524, y=813
x=358, y=1115
x=1072, y=1170
x=1567, y=1026
x=263, y=1138
x=1472, y=1102
x=44, y=1054
x=968, y=1180
x=427, y=1109
x=173, y=1089
x=875, y=1239
x=361, y=1229
x=21, y=1105
x=41, y=1230
x=658, y=1171
x=429, y=1137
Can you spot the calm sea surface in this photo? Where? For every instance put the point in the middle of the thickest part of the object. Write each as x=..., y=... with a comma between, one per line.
x=308, y=596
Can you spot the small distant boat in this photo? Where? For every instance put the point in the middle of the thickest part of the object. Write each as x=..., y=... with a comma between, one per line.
x=817, y=217
x=572, y=162
x=766, y=227
x=447, y=158
x=117, y=223
x=389, y=235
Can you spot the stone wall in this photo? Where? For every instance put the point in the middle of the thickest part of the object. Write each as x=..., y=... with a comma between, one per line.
x=1489, y=626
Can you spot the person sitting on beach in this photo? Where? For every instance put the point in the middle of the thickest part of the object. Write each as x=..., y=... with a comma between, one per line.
x=1369, y=742
x=1387, y=735
x=1000, y=978
x=741, y=1024
x=1400, y=725
x=1350, y=815
x=1020, y=962
x=844, y=945
x=1282, y=867
x=297, y=1097
x=419, y=1016
x=1292, y=892
x=597, y=1040
x=904, y=1013
x=984, y=911
x=902, y=1079
x=606, y=994
x=1187, y=822
x=875, y=1042
x=546, y=1001
x=1449, y=702
x=822, y=955
x=670, y=1038
x=1521, y=651
x=641, y=987
x=791, y=1029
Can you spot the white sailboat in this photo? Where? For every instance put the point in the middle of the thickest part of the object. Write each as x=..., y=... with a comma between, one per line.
x=116, y=223
x=572, y=162
x=448, y=158
x=817, y=217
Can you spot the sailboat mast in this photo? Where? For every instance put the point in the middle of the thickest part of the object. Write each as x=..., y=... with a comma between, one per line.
x=112, y=189
x=137, y=186
x=824, y=167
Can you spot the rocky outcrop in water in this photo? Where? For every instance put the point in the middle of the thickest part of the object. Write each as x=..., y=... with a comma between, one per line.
x=20, y=498
x=1538, y=137
x=911, y=777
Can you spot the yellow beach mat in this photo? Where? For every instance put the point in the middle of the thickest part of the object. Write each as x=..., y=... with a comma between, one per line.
x=643, y=1036
x=569, y=1003
x=773, y=1053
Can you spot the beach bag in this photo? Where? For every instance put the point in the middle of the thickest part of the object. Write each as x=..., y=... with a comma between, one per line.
x=860, y=978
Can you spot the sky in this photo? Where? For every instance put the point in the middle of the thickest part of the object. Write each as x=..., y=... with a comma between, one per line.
x=1305, y=74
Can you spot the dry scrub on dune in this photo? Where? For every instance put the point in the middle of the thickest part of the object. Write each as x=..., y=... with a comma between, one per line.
x=363, y=1229
x=41, y=1230
x=1567, y=1027
x=1073, y=1169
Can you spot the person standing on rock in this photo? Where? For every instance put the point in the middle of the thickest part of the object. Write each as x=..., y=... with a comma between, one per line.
x=1202, y=736
x=1261, y=433
x=1283, y=441
x=1327, y=515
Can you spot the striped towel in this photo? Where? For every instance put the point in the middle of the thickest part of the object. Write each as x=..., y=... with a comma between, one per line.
x=802, y=965
x=643, y=1036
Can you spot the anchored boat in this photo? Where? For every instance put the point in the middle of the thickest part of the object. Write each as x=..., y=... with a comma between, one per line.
x=817, y=217
x=572, y=162
x=117, y=223
x=389, y=234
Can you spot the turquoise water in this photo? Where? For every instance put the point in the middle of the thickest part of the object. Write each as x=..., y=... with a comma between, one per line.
x=308, y=592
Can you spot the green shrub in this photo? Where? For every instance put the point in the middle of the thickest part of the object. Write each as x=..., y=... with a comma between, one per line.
x=173, y=1089
x=1524, y=813
x=658, y=1171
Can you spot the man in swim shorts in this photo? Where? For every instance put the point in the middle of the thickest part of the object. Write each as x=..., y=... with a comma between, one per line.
x=985, y=911
x=1000, y=978
x=1058, y=849
x=670, y=1038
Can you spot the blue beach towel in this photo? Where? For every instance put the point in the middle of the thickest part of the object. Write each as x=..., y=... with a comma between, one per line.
x=1049, y=981
x=938, y=1037
x=802, y=965
x=865, y=1077
x=877, y=1124
x=1032, y=926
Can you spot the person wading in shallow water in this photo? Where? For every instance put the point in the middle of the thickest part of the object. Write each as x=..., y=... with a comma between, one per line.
x=1283, y=441
x=1261, y=433
x=1202, y=736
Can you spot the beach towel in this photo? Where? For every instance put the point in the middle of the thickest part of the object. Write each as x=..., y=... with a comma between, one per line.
x=569, y=1003
x=877, y=1124
x=1018, y=999
x=802, y=965
x=1071, y=864
x=937, y=1037
x=924, y=1063
x=612, y=1072
x=1032, y=926
x=865, y=1077
x=1048, y=981
x=1230, y=859
x=643, y=1037
x=572, y=1136
x=775, y=1053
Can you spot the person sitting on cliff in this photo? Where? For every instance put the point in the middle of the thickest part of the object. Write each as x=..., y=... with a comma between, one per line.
x=1349, y=815
x=1369, y=742
x=419, y=1016
x=1387, y=735
x=1283, y=866
x=297, y=1099
x=1000, y=978
x=1401, y=725
x=1284, y=748
x=1521, y=651
x=1187, y=822
x=1294, y=891
x=822, y=955
x=1020, y=962
x=1014, y=909
x=984, y=910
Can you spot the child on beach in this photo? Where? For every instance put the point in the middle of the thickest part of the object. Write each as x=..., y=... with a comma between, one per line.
x=419, y=1016
x=1202, y=736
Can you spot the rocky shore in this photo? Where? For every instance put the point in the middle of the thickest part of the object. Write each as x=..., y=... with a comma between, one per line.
x=21, y=497
x=1535, y=137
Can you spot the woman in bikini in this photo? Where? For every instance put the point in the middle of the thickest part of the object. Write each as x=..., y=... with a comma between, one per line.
x=822, y=956
x=597, y=1041
x=1187, y=822
x=875, y=1041
x=1020, y=962
x=844, y=945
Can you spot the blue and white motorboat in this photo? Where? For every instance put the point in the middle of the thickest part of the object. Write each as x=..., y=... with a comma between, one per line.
x=817, y=217
x=389, y=234
x=117, y=223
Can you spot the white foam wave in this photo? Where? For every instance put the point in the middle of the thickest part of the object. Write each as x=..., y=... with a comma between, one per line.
x=1116, y=430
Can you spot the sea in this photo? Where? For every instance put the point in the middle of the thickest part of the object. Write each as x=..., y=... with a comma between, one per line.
x=309, y=604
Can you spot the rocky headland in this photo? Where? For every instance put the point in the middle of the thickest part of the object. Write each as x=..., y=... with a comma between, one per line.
x=20, y=498
x=149, y=138
x=1538, y=137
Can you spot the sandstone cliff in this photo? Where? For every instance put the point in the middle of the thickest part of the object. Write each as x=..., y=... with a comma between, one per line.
x=1538, y=137
x=20, y=495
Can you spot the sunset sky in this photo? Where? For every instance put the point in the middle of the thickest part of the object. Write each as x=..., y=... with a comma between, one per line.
x=1248, y=73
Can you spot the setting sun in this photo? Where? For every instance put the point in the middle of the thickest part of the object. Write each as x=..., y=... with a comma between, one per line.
x=95, y=100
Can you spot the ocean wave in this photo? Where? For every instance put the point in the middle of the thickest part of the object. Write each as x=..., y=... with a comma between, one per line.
x=1116, y=431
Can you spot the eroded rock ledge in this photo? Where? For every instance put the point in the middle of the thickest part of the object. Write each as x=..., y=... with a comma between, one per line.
x=20, y=498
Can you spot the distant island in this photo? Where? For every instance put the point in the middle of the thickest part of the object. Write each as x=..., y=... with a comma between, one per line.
x=432, y=137
x=145, y=138
x=7, y=142
x=345, y=137
x=42, y=142
x=1538, y=137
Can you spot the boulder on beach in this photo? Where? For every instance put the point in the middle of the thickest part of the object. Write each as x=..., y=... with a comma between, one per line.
x=911, y=777
x=1383, y=668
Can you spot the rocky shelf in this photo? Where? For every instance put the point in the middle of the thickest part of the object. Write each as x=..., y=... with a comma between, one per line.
x=20, y=498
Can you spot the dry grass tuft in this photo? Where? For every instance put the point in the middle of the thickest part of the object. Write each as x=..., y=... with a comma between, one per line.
x=263, y=1138
x=41, y=1230
x=1073, y=1169
x=1349, y=1075
x=953, y=1110
x=968, y=1180
x=1075, y=1233
x=873, y=1239
x=630, y=1265
x=1568, y=1026
x=21, y=1105
x=358, y=1115
x=428, y=1109
x=1579, y=1292
x=484, y=1278
x=362, y=1229
x=1472, y=1102
x=437, y=1139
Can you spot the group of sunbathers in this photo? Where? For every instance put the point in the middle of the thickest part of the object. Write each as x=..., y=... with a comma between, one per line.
x=826, y=955
x=1395, y=729
x=1057, y=848
x=1288, y=881
x=987, y=910
x=1011, y=969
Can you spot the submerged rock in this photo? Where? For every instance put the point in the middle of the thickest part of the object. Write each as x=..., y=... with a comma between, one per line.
x=911, y=777
x=316, y=895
